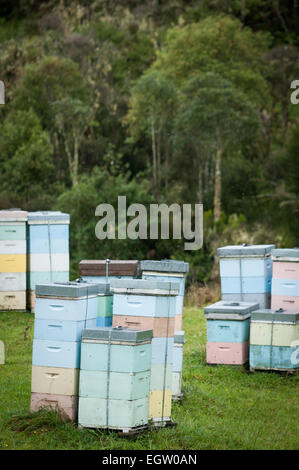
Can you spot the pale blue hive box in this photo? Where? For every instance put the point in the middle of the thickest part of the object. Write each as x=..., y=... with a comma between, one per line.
x=179, y=341
x=288, y=287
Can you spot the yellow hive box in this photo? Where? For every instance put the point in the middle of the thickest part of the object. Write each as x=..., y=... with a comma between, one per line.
x=155, y=404
x=12, y=263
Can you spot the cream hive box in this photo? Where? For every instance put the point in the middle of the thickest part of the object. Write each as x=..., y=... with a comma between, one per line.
x=228, y=328
x=13, y=259
x=274, y=340
x=246, y=273
x=47, y=250
x=114, y=378
x=62, y=311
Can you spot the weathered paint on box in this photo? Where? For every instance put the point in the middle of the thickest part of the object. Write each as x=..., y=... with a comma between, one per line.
x=245, y=267
x=161, y=376
x=66, y=309
x=179, y=304
x=122, y=413
x=123, y=358
x=288, y=287
x=161, y=326
x=285, y=270
x=263, y=300
x=52, y=353
x=12, y=247
x=122, y=385
x=284, y=301
x=48, y=262
x=228, y=331
x=61, y=330
x=13, y=231
x=274, y=357
x=104, y=321
x=277, y=334
x=178, y=351
x=55, y=380
x=12, y=282
x=227, y=353
x=162, y=350
x=67, y=405
x=247, y=285
x=178, y=322
x=13, y=300
x=143, y=305
x=13, y=263
x=176, y=384
x=169, y=278
x=155, y=404
x=40, y=277
x=105, y=305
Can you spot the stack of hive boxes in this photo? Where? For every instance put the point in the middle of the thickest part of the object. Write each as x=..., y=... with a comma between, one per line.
x=177, y=369
x=101, y=270
x=114, y=378
x=228, y=328
x=285, y=280
x=274, y=340
x=105, y=305
x=62, y=311
x=246, y=273
x=47, y=250
x=172, y=271
x=144, y=304
x=13, y=259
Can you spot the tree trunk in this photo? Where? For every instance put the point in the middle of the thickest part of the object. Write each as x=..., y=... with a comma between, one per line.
x=76, y=161
x=154, y=153
x=217, y=186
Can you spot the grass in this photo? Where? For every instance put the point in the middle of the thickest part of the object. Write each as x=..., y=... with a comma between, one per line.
x=223, y=407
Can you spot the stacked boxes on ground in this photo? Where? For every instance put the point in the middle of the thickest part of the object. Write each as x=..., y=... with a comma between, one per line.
x=62, y=311
x=228, y=328
x=114, y=378
x=274, y=340
x=285, y=280
x=13, y=259
x=144, y=304
x=47, y=250
x=246, y=273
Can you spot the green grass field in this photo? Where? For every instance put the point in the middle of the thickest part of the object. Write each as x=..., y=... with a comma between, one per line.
x=223, y=407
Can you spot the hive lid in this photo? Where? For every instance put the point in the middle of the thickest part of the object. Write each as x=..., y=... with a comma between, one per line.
x=179, y=337
x=245, y=250
x=43, y=217
x=165, y=265
x=13, y=215
x=231, y=307
x=285, y=253
x=103, y=286
x=72, y=289
x=143, y=286
x=115, y=267
x=280, y=315
x=117, y=334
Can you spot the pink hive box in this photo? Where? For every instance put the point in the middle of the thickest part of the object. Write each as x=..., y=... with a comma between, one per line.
x=66, y=404
x=227, y=353
x=285, y=302
x=285, y=270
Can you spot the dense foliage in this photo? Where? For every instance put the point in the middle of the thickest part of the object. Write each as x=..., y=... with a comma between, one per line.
x=165, y=102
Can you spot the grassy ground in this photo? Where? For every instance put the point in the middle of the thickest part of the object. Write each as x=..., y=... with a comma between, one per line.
x=223, y=407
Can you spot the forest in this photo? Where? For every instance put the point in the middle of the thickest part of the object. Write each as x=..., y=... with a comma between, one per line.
x=162, y=102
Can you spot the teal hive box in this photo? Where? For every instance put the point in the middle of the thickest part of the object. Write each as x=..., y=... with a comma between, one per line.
x=114, y=378
x=274, y=357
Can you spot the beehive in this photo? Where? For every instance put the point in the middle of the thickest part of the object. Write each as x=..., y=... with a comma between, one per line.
x=101, y=270
x=274, y=339
x=114, y=378
x=149, y=304
x=105, y=305
x=285, y=281
x=228, y=327
x=13, y=259
x=62, y=311
x=246, y=273
x=48, y=250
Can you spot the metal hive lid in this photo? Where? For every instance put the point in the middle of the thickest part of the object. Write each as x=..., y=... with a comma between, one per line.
x=13, y=215
x=231, y=307
x=72, y=289
x=165, y=265
x=245, y=250
x=43, y=217
x=283, y=253
x=280, y=315
x=143, y=286
x=117, y=334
